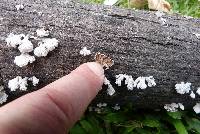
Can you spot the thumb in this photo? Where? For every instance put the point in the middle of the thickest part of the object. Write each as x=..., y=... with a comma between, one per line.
x=56, y=107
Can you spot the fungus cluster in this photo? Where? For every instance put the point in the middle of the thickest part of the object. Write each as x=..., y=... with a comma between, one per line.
x=110, y=89
x=21, y=83
x=161, y=20
x=25, y=46
x=173, y=107
x=140, y=82
x=85, y=51
x=3, y=95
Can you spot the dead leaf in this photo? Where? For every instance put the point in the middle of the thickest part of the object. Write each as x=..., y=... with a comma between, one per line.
x=138, y=3
x=160, y=5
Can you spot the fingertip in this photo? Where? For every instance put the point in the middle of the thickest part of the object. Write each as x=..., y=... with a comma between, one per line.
x=96, y=68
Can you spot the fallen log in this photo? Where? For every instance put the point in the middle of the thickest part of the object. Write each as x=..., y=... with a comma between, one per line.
x=139, y=42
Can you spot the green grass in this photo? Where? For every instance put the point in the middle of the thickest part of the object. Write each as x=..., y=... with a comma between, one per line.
x=130, y=121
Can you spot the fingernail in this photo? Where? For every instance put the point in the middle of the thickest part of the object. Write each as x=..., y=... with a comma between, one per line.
x=96, y=68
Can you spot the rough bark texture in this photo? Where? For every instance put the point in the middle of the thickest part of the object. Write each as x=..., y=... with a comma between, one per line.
x=137, y=42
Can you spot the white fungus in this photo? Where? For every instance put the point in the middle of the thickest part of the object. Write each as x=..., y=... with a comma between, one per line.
x=119, y=79
x=20, y=40
x=197, y=35
x=19, y=7
x=129, y=82
x=116, y=107
x=1, y=88
x=23, y=60
x=109, y=2
x=150, y=81
x=183, y=88
x=14, y=40
x=110, y=90
x=26, y=46
x=45, y=46
x=173, y=107
x=140, y=83
x=101, y=105
x=159, y=14
x=85, y=51
x=41, y=51
x=163, y=21
x=198, y=91
x=18, y=83
x=34, y=80
x=181, y=106
x=3, y=97
x=192, y=95
x=42, y=32
x=196, y=108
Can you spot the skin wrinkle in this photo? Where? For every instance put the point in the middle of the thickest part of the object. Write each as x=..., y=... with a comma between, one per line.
x=67, y=115
x=59, y=118
x=50, y=121
x=84, y=74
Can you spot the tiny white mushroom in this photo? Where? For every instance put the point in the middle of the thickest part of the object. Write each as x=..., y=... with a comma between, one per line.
x=192, y=95
x=119, y=79
x=129, y=82
x=45, y=46
x=198, y=91
x=110, y=90
x=116, y=107
x=34, y=80
x=26, y=46
x=23, y=60
x=3, y=97
x=150, y=81
x=19, y=7
x=181, y=106
x=101, y=105
x=159, y=14
x=14, y=40
x=163, y=21
x=140, y=83
x=197, y=35
x=13, y=84
x=183, y=88
x=23, y=84
x=40, y=51
x=1, y=88
x=173, y=107
x=42, y=32
x=18, y=83
x=196, y=108
x=85, y=51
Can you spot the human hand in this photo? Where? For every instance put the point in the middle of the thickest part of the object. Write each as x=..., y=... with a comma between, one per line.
x=55, y=108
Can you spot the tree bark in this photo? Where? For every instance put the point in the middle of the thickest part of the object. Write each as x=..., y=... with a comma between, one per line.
x=136, y=41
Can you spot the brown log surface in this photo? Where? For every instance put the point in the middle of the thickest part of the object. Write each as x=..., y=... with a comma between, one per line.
x=137, y=42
